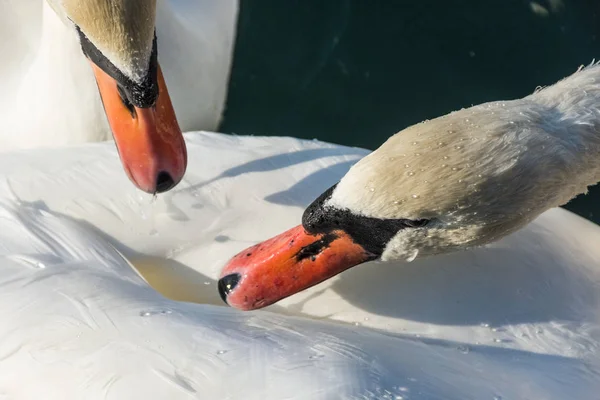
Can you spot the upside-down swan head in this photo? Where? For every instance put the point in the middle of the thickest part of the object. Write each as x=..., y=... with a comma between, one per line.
x=118, y=37
x=459, y=181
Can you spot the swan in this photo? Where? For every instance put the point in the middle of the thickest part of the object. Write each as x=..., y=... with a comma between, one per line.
x=113, y=294
x=75, y=71
x=459, y=181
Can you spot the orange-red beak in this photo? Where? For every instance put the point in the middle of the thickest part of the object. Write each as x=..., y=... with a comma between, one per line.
x=149, y=140
x=287, y=264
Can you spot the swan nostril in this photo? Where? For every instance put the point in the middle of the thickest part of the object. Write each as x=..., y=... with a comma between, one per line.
x=227, y=284
x=164, y=182
x=126, y=102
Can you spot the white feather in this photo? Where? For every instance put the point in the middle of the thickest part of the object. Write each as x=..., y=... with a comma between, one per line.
x=78, y=322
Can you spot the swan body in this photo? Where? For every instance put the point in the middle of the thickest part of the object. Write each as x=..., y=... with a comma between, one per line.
x=516, y=319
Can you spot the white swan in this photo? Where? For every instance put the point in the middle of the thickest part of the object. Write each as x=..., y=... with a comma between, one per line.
x=517, y=319
x=56, y=54
x=459, y=181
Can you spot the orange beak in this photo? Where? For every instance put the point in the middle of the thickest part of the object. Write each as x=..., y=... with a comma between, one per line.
x=285, y=265
x=149, y=140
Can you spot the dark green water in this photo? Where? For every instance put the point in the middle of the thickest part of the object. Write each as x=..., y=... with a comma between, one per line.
x=356, y=71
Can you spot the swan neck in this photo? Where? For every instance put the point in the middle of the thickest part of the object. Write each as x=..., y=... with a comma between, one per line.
x=572, y=107
x=571, y=115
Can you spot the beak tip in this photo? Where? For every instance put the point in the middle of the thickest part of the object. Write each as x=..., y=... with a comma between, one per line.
x=227, y=284
x=164, y=182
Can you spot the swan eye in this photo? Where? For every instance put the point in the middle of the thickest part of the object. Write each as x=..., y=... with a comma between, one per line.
x=418, y=223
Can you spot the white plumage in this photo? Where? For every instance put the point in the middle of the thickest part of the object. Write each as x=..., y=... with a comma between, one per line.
x=79, y=245
x=79, y=322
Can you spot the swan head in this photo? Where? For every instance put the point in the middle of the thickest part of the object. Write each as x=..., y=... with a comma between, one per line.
x=118, y=37
x=456, y=182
